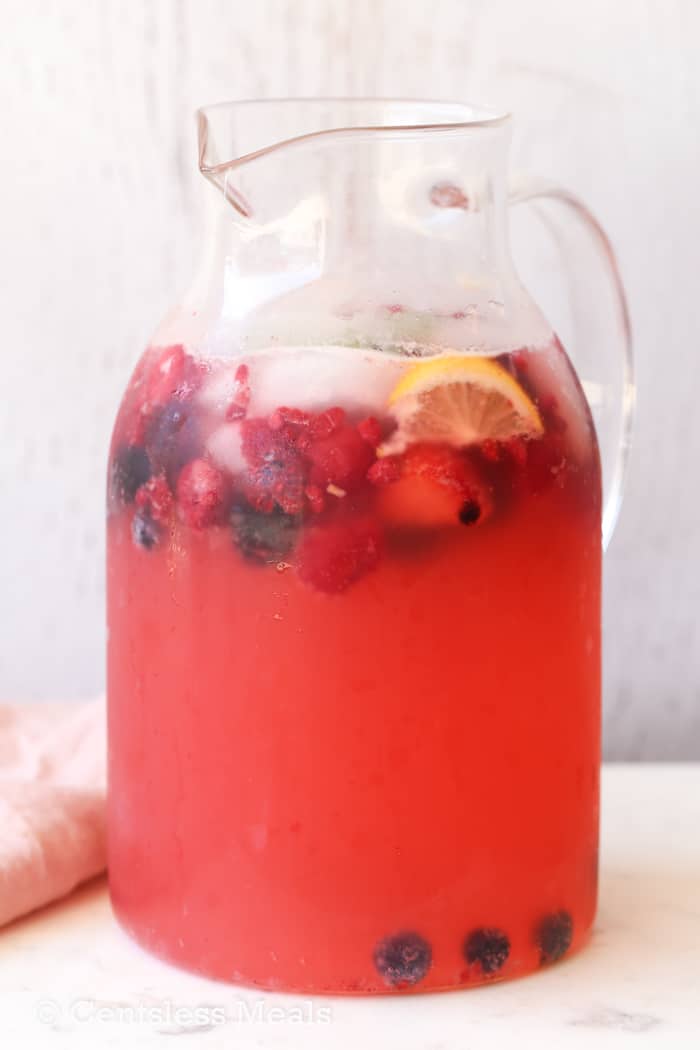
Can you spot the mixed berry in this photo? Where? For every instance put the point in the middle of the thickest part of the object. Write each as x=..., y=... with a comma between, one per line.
x=553, y=936
x=486, y=949
x=404, y=959
x=321, y=489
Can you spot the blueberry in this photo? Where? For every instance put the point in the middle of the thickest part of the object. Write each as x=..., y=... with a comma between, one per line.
x=554, y=935
x=145, y=532
x=469, y=512
x=403, y=958
x=488, y=947
x=173, y=438
x=262, y=537
x=131, y=468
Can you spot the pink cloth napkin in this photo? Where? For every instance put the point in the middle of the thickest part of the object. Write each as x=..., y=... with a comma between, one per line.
x=52, y=802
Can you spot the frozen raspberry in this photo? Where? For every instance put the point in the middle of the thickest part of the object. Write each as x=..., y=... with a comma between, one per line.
x=343, y=458
x=437, y=485
x=447, y=195
x=333, y=556
x=262, y=444
x=293, y=417
x=315, y=497
x=263, y=538
x=403, y=959
x=303, y=442
x=486, y=948
x=326, y=423
x=275, y=485
x=370, y=430
x=155, y=498
x=516, y=449
x=384, y=471
x=395, y=308
x=553, y=936
x=238, y=406
x=173, y=438
x=175, y=373
x=131, y=468
x=277, y=473
x=145, y=532
x=491, y=450
x=202, y=494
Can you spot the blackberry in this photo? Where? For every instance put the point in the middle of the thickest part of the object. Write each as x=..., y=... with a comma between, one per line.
x=488, y=948
x=131, y=468
x=553, y=936
x=145, y=532
x=403, y=959
x=263, y=537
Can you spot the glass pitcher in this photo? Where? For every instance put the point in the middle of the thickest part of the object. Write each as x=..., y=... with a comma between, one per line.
x=354, y=567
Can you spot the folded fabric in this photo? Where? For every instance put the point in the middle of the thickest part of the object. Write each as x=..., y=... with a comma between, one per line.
x=52, y=802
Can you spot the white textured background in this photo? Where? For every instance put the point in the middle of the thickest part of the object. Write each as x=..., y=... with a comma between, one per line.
x=98, y=204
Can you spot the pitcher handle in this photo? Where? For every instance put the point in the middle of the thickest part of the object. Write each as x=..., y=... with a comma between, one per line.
x=602, y=334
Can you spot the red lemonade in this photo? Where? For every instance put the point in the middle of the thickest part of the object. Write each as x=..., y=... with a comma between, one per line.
x=354, y=665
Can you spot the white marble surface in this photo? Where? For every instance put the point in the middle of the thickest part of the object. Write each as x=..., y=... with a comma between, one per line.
x=69, y=977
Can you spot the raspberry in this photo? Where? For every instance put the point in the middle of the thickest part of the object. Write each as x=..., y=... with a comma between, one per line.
x=263, y=537
x=384, y=471
x=333, y=556
x=437, y=485
x=277, y=473
x=155, y=498
x=554, y=935
x=144, y=531
x=491, y=450
x=131, y=468
x=326, y=423
x=303, y=442
x=315, y=497
x=202, y=493
x=293, y=417
x=403, y=959
x=447, y=195
x=238, y=407
x=342, y=458
x=395, y=308
x=486, y=948
x=370, y=431
x=175, y=373
x=277, y=484
x=261, y=444
x=516, y=448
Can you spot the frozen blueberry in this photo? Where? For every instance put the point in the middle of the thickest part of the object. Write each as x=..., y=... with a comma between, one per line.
x=131, y=468
x=173, y=438
x=469, y=512
x=403, y=958
x=263, y=537
x=487, y=947
x=554, y=935
x=145, y=532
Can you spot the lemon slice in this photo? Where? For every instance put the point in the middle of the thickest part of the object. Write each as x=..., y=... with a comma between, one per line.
x=460, y=401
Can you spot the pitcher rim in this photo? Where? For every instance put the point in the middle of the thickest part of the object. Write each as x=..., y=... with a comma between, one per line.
x=483, y=117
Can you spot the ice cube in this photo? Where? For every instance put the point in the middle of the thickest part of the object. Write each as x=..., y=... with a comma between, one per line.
x=314, y=378
x=224, y=447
